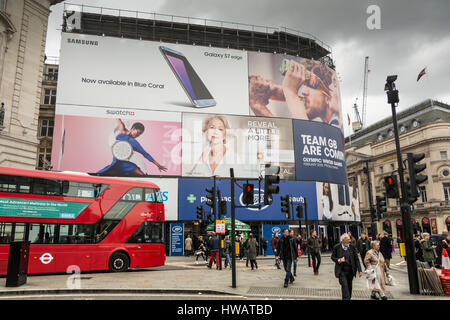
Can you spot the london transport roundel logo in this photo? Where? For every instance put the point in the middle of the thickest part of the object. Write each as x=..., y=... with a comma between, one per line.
x=46, y=258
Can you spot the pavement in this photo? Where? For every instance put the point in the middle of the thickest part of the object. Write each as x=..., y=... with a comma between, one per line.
x=181, y=276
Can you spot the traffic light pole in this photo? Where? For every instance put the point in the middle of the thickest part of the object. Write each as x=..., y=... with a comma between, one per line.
x=233, y=231
x=373, y=224
x=405, y=208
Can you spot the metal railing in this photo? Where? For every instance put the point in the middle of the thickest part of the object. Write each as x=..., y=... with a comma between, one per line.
x=191, y=21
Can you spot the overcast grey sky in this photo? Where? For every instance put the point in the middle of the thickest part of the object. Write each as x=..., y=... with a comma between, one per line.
x=414, y=34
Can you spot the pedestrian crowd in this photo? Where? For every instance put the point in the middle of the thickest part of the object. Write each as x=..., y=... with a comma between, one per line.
x=350, y=255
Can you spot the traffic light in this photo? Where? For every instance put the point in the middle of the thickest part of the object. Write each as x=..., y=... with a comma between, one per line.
x=286, y=206
x=413, y=169
x=199, y=212
x=209, y=218
x=211, y=198
x=271, y=179
x=381, y=206
x=390, y=183
x=222, y=205
x=248, y=195
x=410, y=197
x=299, y=211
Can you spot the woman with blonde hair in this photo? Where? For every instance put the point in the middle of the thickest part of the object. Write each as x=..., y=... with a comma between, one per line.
x=211, y=160
x=428, y=249
x=376, y=271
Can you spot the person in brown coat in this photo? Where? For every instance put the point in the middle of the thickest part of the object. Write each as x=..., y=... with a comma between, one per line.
x=374, y=260
x=252, y=247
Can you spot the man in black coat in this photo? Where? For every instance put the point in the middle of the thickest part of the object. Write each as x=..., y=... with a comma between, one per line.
x=287, y=251
x=362, y=246
x=386, y=249
x=347, y=264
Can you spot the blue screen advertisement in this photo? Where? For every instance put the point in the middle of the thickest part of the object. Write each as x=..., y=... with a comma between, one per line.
x=269, y=230
x=177, y=239
x=191, y=193
x=319, y=152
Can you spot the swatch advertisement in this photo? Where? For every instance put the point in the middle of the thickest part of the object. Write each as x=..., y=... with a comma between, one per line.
x=319, y=152
x=293, y=87
x=191, y=193
x=212, y=144
x=337, y=202
x=147, y=75
x=118, y=145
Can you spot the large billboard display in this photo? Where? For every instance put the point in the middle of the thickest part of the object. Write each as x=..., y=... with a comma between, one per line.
x=337, y=202
x=212, y=144
x=136, y=143
x=133, y=108
x=146, y=75
x=191, y=193
x=293, y=87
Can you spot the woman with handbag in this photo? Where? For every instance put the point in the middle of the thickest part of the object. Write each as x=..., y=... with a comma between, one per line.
x=376, y=271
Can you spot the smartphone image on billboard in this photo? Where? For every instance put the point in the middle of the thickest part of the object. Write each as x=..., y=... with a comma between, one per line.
x=194, y=87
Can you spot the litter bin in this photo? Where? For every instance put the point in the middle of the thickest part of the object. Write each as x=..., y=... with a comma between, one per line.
x=17, y=263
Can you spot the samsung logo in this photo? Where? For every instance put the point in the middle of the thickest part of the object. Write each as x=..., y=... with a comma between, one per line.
x=83, y=42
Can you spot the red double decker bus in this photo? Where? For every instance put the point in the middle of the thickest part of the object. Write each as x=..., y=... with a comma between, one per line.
x=92, y=222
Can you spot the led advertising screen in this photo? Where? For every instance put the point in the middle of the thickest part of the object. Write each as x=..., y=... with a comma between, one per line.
x=337, y=202
x=148, y=75
x=212, y=144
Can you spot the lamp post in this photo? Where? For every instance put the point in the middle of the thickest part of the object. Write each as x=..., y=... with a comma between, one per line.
x=405, y=207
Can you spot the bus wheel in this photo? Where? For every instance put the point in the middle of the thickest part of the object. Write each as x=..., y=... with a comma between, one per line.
x=119, y=262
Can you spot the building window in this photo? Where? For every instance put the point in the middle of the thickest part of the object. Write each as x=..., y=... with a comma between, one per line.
x=443, y=155
x=445, y=173
x=52, y=74
x=49, y=96
x=381, y=169
x=2, y=4
x=44, y=158
x=46, y=128
x=446, y=191
x=423, y=193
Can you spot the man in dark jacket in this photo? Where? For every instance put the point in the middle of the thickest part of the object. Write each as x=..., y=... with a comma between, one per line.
x=386, y=249
x=287, y=252
x=274, y=245
x=418, y=247
x=214, y=246
x=314, y=245
x=362, y=246
x=347, y=264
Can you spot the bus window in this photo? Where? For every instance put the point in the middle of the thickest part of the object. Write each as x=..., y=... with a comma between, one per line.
x=134, y=194
x=42, y=233
x=46, y=187
x=8, y=183
x=78, y=189
x=147, y=232
x=82, y=233
x=150, y=195
x=65, y=233
x=5, y=232
x=19, y=232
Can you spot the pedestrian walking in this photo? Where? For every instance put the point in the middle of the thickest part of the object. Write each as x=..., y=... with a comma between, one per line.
x=214, y=246
x=208, y=247
x=287, y=253
x=377, y=271
x=346, y=266
x=264, y=245
x=188, y=246
x=446, y=244
x=418, y=247
x=241, y=249
x=314, y=245
x=201, y=250
x=362, y=246
x=246, y=249
x=274, y=245
x=386, y=249
x=252, y=248
x=429, y=250
x=228, y=250
x=294, y=239
x=352, y=239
